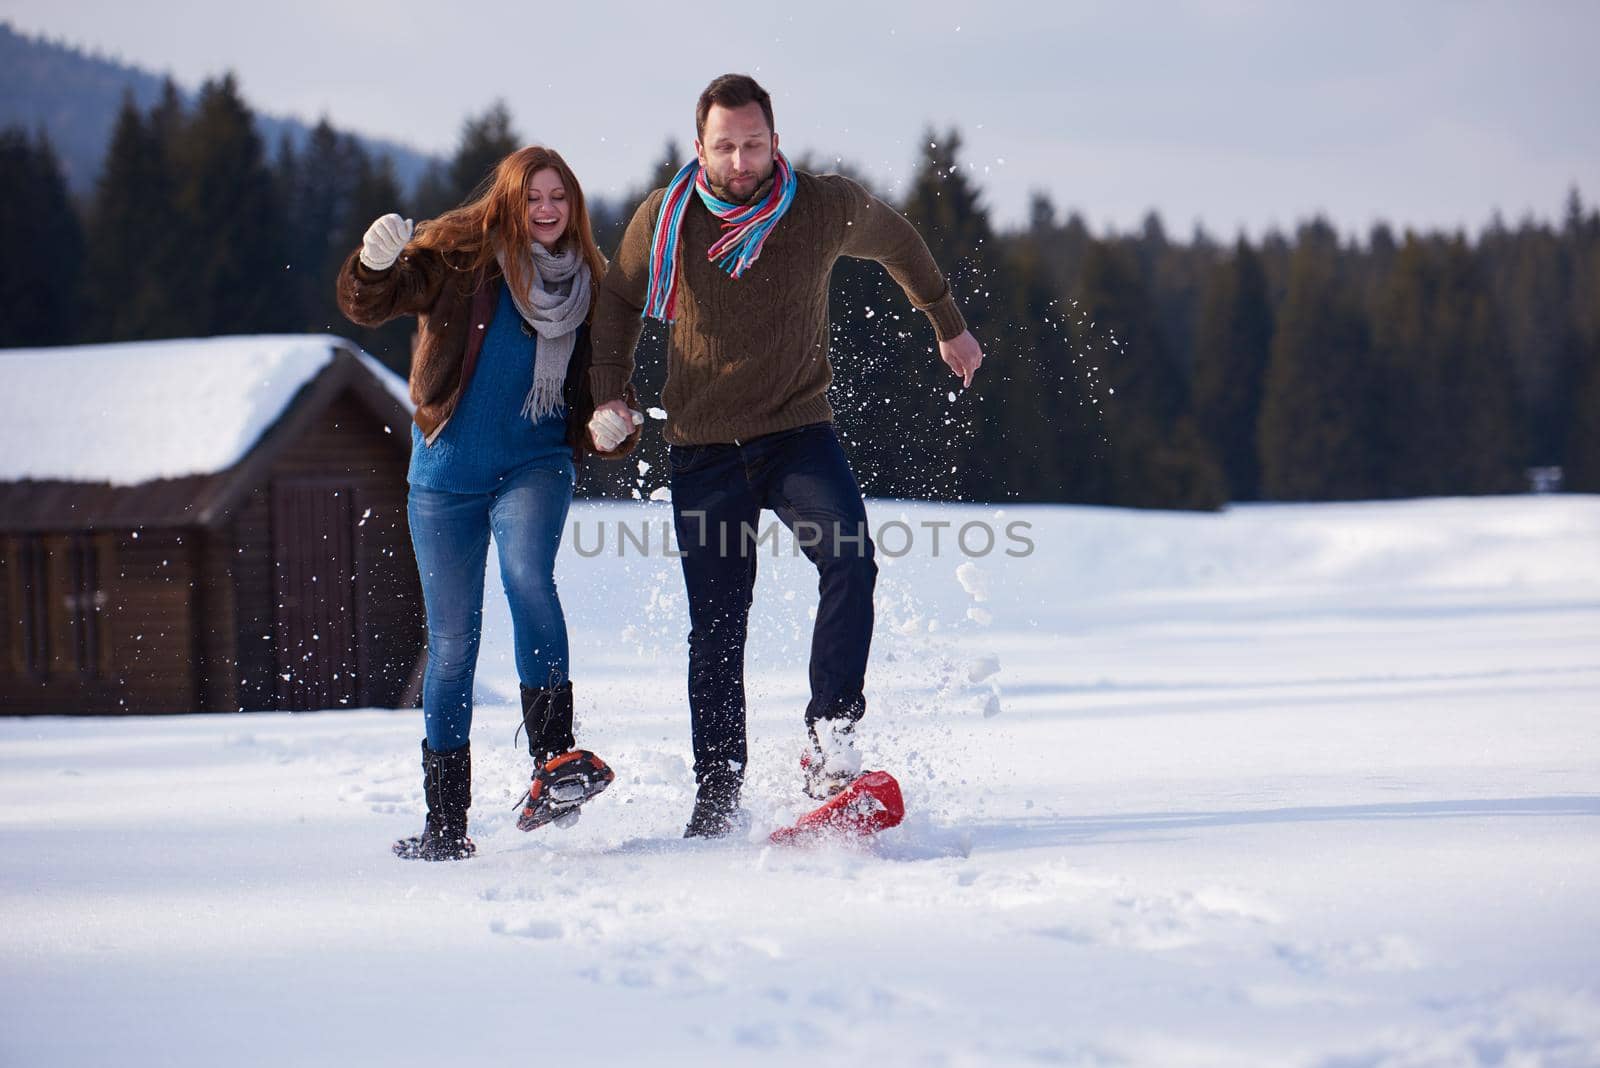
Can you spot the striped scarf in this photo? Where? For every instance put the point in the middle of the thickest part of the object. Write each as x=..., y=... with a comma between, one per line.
x=745, y=228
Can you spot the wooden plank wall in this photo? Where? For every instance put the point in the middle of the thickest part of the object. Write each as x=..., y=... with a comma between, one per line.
x=253, y=620
x=131, y=649
x=347, y=443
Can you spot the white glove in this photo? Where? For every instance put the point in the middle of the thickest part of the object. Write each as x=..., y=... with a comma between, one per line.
x=608, y=429
x=385, y=239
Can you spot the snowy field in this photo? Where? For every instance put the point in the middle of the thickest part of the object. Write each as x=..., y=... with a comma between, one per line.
x=1293, y=785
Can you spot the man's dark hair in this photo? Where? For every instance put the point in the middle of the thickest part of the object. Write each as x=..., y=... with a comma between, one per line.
x=732, y=91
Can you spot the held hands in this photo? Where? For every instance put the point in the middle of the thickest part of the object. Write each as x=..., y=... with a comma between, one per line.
x=384, y=241
x=611, y=424
x=962, y=355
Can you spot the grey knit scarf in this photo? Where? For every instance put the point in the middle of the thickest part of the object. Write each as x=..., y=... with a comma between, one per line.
x=554, y=306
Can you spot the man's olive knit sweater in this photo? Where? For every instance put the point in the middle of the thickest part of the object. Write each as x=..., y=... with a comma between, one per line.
x=749, y=356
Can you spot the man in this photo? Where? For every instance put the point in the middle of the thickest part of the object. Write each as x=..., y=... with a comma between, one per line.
x=736, y=253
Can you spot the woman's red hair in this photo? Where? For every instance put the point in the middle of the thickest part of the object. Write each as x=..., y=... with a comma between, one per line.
x=497, y=214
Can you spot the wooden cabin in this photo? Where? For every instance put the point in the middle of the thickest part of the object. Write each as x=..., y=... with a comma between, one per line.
x=276, y=574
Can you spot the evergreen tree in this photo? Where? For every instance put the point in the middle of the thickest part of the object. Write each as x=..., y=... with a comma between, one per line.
x=41, y=269
x=1318, y=430
x=318, y=189
x=376, y=192
x=1582, y=471
x=1049, y=275
x=1449, y=408
x=485, y=140
x=1531, y=282
x=1582, y=435
x=433, y=194
x=867, y=327
x=169, y=117
x=135, y=229
x=1232, y=347
x=293, y=182
x=610, y=218
x=948, y=211
x=1157, y=457
x=650, y=357
x=1375, y=267
x=1050, y=444
x=952, y=446
x=231, y=276
x=331, y=191
x=1174, y=276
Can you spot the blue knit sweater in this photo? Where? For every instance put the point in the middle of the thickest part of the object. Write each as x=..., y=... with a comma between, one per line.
x=488, y=440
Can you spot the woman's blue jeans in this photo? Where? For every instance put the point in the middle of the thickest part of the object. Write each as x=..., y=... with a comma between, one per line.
x=450, y=535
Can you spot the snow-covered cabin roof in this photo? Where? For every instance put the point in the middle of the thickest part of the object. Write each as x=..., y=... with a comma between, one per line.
x=173, y=413
x=144, y=410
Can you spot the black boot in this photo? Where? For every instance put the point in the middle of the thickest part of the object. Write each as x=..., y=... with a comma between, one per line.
x=563, y=777
x=716, y=808
x=447, y=786
x=547, y=717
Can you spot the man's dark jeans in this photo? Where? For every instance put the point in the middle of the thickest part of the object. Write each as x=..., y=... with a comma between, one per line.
x=718, y=492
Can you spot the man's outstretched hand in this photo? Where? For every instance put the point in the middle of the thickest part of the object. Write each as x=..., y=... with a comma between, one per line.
x=963, y=355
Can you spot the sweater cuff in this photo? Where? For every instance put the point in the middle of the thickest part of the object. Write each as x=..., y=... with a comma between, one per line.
x=606, y=384
x=946, y=318
x=370, y=274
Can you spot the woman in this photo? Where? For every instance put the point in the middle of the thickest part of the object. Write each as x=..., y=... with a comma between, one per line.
x=503, y=289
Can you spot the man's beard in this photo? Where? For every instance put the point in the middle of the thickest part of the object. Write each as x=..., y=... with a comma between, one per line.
x=726, y=194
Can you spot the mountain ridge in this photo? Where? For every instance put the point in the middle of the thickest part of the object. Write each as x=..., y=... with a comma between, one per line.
x=75, y=96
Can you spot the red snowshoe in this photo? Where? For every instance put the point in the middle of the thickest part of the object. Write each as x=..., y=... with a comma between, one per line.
x=871, y=803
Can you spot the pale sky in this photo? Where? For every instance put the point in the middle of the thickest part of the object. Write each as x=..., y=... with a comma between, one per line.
x=1231, y=113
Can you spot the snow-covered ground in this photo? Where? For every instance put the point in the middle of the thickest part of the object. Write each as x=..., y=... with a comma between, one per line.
x=1293, y=785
